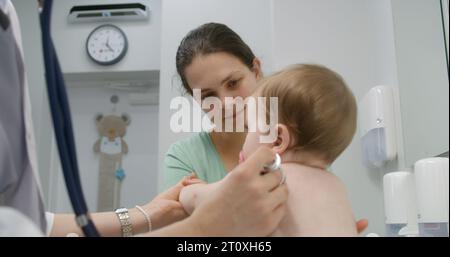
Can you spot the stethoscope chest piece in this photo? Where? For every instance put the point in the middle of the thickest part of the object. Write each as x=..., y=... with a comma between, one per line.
x=276, y=166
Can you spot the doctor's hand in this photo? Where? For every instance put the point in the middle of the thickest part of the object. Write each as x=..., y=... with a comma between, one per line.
x=166, y=209
x=245, y=203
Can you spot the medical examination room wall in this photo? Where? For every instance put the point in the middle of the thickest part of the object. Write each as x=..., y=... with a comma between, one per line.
x=358, y=38
x=423, y=75
x=140, y=164
x=355, y=38
x=368, y=42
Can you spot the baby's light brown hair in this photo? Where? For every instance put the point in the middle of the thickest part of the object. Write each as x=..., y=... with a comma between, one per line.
x=317, y=107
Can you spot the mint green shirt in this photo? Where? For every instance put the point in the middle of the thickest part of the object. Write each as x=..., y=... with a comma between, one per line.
x=196, y=153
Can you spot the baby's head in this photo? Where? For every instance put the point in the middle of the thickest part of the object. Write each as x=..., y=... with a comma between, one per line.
x=316, y=113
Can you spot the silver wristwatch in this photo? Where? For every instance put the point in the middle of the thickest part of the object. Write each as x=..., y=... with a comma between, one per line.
x=125, y=222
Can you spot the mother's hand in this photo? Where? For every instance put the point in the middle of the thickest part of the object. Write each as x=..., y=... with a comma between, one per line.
x=361, y=225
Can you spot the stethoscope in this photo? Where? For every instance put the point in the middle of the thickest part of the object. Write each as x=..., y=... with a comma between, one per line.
x=276, y=166
x=62, y=124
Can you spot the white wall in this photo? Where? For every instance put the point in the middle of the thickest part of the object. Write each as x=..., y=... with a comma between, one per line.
x=251, y=19
x=354, y=38
x=445, y=13
x=423, y=78
x=70, y=39
x=140, y=164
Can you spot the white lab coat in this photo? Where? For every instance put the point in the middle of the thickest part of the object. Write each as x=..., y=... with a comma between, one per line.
x=10, y=221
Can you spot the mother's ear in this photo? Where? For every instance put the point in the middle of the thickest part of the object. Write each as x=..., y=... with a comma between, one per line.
x=283, y=140
x=257, y=68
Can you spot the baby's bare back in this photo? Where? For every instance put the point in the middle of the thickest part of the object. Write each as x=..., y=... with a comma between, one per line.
x=317, y=206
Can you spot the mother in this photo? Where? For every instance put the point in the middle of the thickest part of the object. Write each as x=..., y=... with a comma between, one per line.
x=216, y=60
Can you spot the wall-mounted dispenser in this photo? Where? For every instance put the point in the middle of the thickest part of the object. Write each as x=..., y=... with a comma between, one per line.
x=377, y=126
x=400, y=204
x=431, y=176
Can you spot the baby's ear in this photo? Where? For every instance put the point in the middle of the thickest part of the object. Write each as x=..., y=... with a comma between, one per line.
x=283, y=140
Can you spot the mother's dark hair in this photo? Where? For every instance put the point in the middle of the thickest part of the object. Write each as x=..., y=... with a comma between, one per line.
x=211, y=38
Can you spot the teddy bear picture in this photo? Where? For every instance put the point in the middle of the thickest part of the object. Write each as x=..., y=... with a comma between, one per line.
x=111, y=147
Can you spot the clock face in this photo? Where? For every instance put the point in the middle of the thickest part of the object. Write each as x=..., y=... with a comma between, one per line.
x=106, y=45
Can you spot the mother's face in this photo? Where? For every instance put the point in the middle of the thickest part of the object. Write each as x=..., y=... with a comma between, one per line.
x=222, y=75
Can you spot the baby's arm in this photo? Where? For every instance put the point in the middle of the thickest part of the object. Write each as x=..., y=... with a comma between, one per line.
x=191, y=196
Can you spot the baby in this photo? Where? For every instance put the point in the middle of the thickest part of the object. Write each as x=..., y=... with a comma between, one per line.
x=316, y=122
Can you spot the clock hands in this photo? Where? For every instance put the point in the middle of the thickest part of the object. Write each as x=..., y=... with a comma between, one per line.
x=107, y=45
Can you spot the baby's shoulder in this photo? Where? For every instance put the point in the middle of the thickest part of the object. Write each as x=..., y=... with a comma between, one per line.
x=314, y=181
